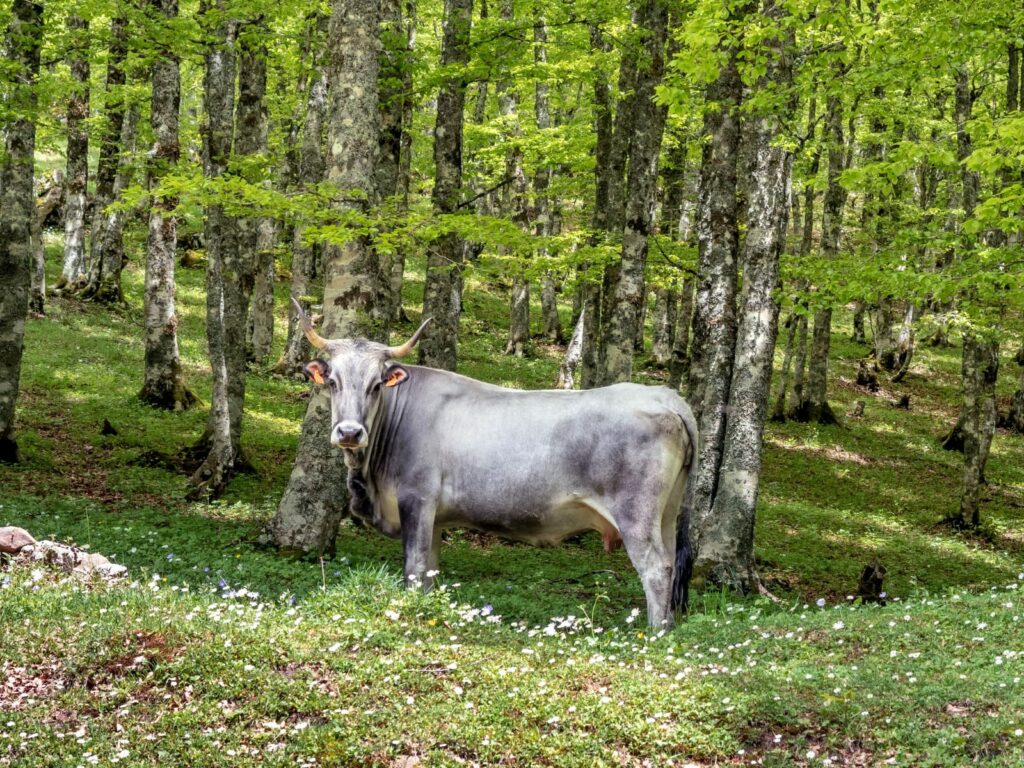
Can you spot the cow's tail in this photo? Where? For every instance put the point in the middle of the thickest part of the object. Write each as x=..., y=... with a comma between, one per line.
x=683, y=570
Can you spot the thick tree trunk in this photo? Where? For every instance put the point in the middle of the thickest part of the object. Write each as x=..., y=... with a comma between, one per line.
x=107, y=255
x=54, y=192
x=630, y=292
x=884, y=343
x=73, y=273
x=17, y=205
x=904, y=351
x=103, y=283
x=442, y=290
x=725, y=544
x=980, y=370
x=163, y=383
x=355, y=291
x=311, y=169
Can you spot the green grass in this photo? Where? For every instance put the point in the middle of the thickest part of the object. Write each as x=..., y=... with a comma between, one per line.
x=321, y=665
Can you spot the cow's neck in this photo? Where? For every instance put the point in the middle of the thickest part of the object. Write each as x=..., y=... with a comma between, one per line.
x=368, y=470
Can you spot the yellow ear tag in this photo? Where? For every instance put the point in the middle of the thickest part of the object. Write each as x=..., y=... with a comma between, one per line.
x=395, y=377
x=316, y=376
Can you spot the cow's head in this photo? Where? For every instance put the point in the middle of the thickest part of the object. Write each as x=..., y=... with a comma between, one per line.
x=355, y=374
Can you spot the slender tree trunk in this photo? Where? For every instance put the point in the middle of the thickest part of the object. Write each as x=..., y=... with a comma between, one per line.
x=980, y=371
x=590, y=286
x=231, y=251
x=725, y=545
x=573, y=356
x=356, y=303
x=663, y=322
x=405, y=156
x=1015, y=417
x=904, y=350
x=75, y=186
x=164, y=382
x=779, y=409
x=104, y=259
x=442, y=294
x=630, y=291
x=17, y=205
x=260, y=333
x=679, y=368
x=54, y=192
x=814, y=405
x=545, y=215
x=311, y=169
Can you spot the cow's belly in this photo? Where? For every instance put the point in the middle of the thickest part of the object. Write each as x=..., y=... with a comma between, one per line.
x=548, y=526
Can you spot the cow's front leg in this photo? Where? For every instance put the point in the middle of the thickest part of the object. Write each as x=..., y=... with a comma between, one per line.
x=420, y=543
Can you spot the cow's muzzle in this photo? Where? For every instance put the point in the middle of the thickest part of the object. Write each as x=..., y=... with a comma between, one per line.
x=349, y=435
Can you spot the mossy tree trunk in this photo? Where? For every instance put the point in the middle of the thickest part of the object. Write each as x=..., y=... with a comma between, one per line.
x=442, y=290
x=980, y=371
x=163, y=381
x=356, y=303
x=17, y=205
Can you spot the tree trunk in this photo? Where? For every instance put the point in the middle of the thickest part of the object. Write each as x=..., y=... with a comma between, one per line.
x=573, y=356
x=442, y=294
x=52, y=195
x=630, y=291
x=663, y=325
x=105, y=249
x=980, y=370
x=405, y=158
x=884, y=343
x=231, y=244
x=1015, y=417
x=17, y=205
x=356, y=304
x=725, y=542
x=679, y=368
x=779, y=409
x=590, y=288
x=164, y=383
x=74, y=270
x=545, y=214
x=260, y=332
x=107, y=257
x=904, y=351
x=311, y=169
x=814, y=405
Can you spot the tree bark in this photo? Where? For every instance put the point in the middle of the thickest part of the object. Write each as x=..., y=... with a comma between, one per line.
x=260, y=333
x=311, y=170
x=163, y=383
x=573, y=356
x=73, y=273
x=679, y=367
x=725, y=542
x=17, y=205
x=442, y=290
x=814, y=406
x=1015, y=417
x=355, y=291
x=52, y=195
x=103, y=283
x=545, y=213
x=590, y=286
x=630, y=291
x=663, y=324
x=779, y=409
x=980, y=370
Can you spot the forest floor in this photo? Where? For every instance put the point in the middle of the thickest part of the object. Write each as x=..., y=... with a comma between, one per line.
x=216, y=652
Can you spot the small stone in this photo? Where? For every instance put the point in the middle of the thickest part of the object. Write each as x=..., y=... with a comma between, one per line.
x=13, y=540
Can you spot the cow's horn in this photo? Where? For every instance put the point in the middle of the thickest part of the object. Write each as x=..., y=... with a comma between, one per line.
x=406, y=348
x=315, y=338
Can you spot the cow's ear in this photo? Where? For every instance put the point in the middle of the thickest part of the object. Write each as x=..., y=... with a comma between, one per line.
x=395, y=375
x=318, y=371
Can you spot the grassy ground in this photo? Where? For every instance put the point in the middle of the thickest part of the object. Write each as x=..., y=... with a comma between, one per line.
x=332, y=664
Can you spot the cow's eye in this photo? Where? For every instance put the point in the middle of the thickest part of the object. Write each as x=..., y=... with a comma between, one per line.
x=332, y=383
